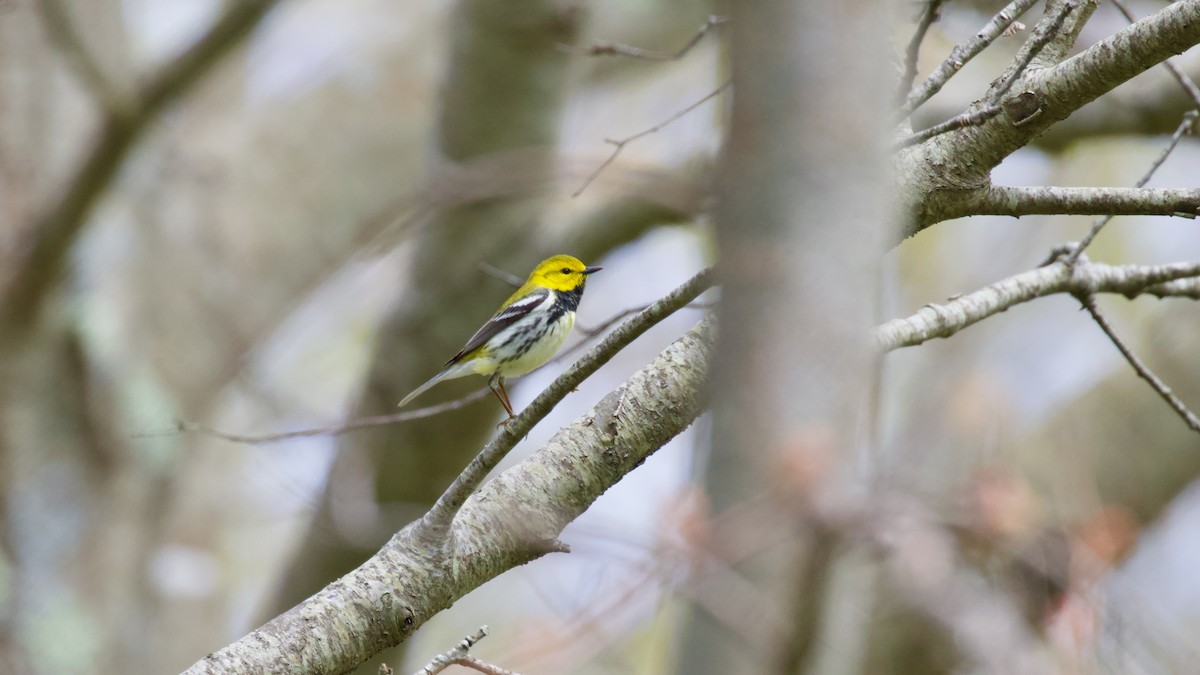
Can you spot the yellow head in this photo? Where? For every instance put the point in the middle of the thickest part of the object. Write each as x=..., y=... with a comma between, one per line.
x=561, y=273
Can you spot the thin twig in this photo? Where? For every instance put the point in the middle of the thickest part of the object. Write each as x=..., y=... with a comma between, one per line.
x=459, y=656
x=396, y=417
x=393, y=418
x=928, y=16
x=1143, y=371
x=437, y=520
x=963, y=53
x=505, y=276
x=1186, y=126
x=1046, y=30
x=944, y=320
x=968, y=119
x=62, y=32
x=616, y=49
x=337, y=430
x=1184, y=81
x=608, y=323
x=619, y=145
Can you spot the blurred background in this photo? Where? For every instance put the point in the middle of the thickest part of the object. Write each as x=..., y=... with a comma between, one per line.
x=310, y=231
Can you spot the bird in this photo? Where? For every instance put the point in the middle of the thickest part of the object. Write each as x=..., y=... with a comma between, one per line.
x=524, y=333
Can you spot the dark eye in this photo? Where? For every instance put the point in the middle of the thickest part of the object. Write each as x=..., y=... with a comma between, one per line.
x=566, y=270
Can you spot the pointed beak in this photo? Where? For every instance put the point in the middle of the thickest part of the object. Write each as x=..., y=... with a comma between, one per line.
x=590, y=270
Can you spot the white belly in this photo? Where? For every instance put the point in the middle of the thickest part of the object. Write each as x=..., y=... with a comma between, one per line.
x=543, y=351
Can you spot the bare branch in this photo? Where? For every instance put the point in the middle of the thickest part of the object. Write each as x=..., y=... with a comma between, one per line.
x=71, y=47
x=1184, y=81
x=401, y=417
x=513, y=519
x=1089, y=303
x=56, y=229
x=337, y=430
x=941, y=321
x=928, y=15
x=619, y=145
x=949, y=176
x=1047, y=30
x=1049, y=200
x=438, y=519
x=1186, y=126
x=503, y=275
x=459, y=656
x=963, y=53
x=615, y=49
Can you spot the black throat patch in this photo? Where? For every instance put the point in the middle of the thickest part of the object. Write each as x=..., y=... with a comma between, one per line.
x=569, y=300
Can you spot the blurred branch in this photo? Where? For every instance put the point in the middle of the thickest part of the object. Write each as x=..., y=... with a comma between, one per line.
x=963, y=53
x=71, y=47
x=920, y=556
x=1089, y=302
x=608, y=323
x=394, y=418
x=459, y=656
x=929, y=14
x=439, y=518
x=515, y=518
x=497, y=273
x=1002, y=200
x=940, y=321
x=352, y=425
x=54, y=232
x=615, y=49
x=619, y=145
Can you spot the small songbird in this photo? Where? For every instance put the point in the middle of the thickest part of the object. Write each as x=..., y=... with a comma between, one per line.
x=526, y=331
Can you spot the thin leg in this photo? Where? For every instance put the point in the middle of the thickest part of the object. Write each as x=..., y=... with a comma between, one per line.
x=496, y=384
x=507, y=403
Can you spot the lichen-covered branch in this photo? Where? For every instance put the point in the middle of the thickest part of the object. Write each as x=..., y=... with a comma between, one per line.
x=506, y=524
x=940, y=321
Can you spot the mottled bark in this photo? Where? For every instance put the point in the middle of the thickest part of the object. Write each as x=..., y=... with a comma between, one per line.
x=507, y=523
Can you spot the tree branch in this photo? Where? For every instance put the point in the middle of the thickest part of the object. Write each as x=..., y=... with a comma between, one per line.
x=949, y=175
x=507, y=523
x=1089, y=201
x=929, y=14
x=1189, y=418
x=963, y=53
x=1186, y=126
x=616, y=49
x=619, y=144
x=55, y=230
x=460, y=656
x=941, y=321
x=439, y=518
x=61, y=31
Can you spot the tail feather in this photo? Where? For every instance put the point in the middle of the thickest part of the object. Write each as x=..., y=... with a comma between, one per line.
x=424, y=387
